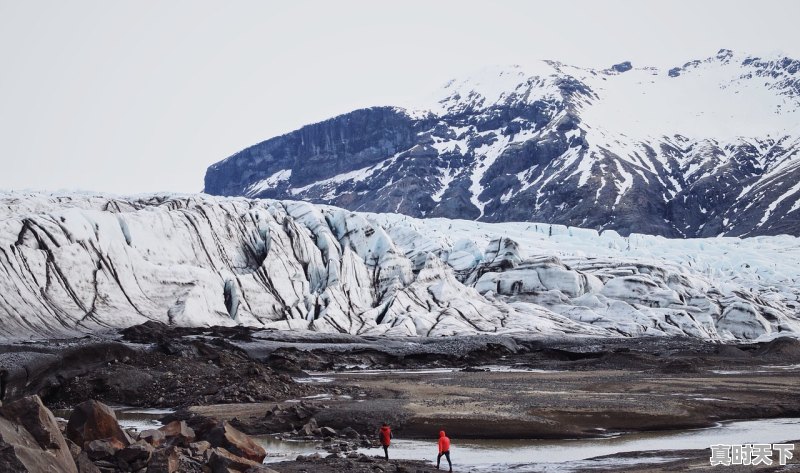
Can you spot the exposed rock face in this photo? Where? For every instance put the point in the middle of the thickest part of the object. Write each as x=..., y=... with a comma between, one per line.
x=30, y=440
x=708, y=148
x=74, y=264
x=347, y=143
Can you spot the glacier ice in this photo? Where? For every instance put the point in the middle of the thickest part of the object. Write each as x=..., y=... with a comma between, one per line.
x=73, y=264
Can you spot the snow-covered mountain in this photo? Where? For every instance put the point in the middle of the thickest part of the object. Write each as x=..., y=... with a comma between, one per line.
x=708, y=148
x=79, y=263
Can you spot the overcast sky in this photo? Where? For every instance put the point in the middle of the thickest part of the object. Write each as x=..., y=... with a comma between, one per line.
x=141, y=96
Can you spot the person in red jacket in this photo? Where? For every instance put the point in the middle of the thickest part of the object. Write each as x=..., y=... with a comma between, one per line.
x=385, y=437
x=444, y=449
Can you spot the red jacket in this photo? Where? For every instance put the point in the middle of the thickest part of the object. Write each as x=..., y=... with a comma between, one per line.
x=444, y=442
x=385, y=435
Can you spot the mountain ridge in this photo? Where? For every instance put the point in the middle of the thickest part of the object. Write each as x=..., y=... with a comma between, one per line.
x=634, y=149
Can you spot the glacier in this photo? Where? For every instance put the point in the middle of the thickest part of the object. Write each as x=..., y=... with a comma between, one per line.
x=73, y=264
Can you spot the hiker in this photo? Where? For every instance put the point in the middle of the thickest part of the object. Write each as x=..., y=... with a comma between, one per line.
x=385, y=436
x=444, y=449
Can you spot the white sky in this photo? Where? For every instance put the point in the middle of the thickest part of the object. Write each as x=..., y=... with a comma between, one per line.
x=141, y=96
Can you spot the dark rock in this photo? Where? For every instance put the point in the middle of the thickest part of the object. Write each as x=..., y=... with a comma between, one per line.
x=178, y=433
x=310, y=428
x=84, y=464
x=37, y=419
x=199, y=448
x=349, y=432
x=190, y=465
x=154, y=437
x=92, y=420
x=30, y=440
x=104, y=449
x=222, y=461
x=166, y=460
x=238, y=443
x=622, y=67
x=73, y=448
x=140, y=451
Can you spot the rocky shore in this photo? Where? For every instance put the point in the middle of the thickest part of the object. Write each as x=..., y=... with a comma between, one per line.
x=224, y=385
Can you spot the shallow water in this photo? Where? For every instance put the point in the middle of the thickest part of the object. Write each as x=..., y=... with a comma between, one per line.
x=130, y=417
x=558, y=455
x=284, y=450
x=525, y=455
x=326, y=376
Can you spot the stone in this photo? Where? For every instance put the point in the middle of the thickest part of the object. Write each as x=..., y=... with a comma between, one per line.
x=199, y=448
x=222, y=461
x=190, y=465
x=236, y=442
x=139, y=451
x=106, y=466
x=166, y=460
x=349, y=432
x=92, y=420
x=37, y=419
x=178, y=433
x=103, y=449
x=309, y=428
x=73, y=448
x=327, y=432
x=30, y=440
x=154, y=437
x=84, y=464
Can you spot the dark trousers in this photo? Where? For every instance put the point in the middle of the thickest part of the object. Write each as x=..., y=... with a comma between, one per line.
x=446, y=455
x=386, y=451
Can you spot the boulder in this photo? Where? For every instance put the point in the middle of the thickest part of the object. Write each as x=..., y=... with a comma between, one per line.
x=155, y=438
x=30, y=440
x=178, y=433
x=103, y=449
x=199, y=448
x=310, y=428
x=37, y=419
x=92, y=420
x=74, y=450
x=104, y=466
x=240, y=444
x=166, y=460
x=190, y=465
x=327, y=432
x=84, y=464
x=223, y=461
x=135, y=453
